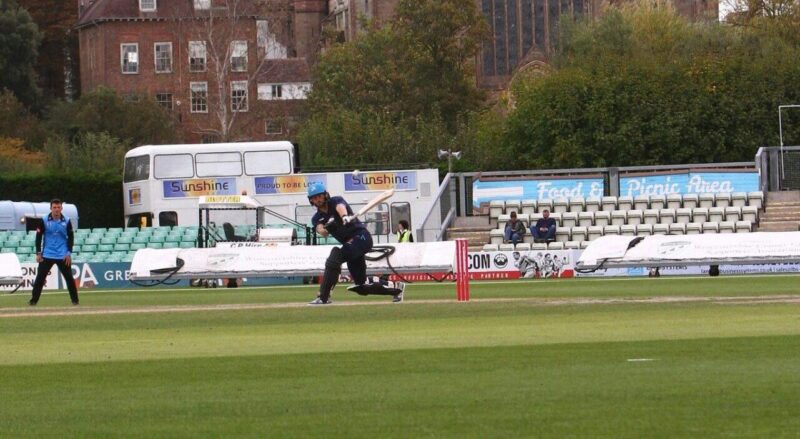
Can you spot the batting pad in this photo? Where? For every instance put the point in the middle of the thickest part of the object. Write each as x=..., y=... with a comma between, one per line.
x=280, y=261
x=703, y=249
x=10, y=269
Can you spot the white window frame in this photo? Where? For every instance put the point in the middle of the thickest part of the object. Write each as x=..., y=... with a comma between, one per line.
x=144, y=9
x=155, y=57
x=234, y=45
x=163, y=103
x=122, y=54
x=202, y=4
x=205, y=55
x=192, y=106
x=239, y=86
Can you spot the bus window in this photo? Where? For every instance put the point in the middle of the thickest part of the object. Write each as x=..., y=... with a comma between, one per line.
x=401, y=211
x=167, y=219
x=267, y=163
x=137, y=168
x=138, y=220
x=218, y=164
x=173, y=166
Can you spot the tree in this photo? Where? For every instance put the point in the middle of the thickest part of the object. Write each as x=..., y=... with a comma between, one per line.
x=19, y=42
x=399, y=92
x=103, y=111
x=221, y=27
x=779, y=17
x=641, y=86
x=58, y=62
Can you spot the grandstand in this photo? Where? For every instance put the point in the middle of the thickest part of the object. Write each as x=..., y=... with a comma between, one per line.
x=582, y=220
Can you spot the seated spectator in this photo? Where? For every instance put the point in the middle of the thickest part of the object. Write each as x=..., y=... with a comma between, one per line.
x=545, y=229
x=515, y=230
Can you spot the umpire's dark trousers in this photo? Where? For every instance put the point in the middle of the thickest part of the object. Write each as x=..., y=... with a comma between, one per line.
x=41, y=276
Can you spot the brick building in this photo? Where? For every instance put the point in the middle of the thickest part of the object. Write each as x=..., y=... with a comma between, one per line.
x=224, y=73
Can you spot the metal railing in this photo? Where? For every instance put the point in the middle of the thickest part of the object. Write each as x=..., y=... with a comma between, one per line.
x=441, y=214
x=778, y=168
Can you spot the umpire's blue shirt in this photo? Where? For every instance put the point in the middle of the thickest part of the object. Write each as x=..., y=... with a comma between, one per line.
x=55, y=237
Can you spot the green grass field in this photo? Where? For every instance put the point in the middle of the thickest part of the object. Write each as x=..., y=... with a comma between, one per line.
x=625, y=358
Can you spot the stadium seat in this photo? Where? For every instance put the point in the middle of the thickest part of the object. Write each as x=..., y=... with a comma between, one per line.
x=584, y=244
x=618, y=217
x=694, y=228
x=512, y=206
x=570, y=219
x=563, y=234
x=496, y=236
x=755, y=198
x=660, y=229
x=13, y=238
x=627, y=230
x=556, y=216
x=127, y=239
x=506, y=247
x=171, y=244
x=593, y=204
x=99, y=230
x=25, y=250
x=594, y=232
x=677, y=229
x=523, y=247
x=541, y=205
x=690, y=201
x=733, y=213
x=577, y=204
x=121, y=247
x=641, y=202
x=706, y=200
x=572, y=245
x=611, y=230
x=644, y=230
x=155, y=245
x=716, y=214
x=602, y=218
x=89, y=248
x=683, y=215
x=528, y=206
x=739, y=199
x=539, y=246
x=727, y=227
x=560, y=205
x=750, y=213
x=556, y=245
x=650, y=216
x=710, y=227
x=137, y=246
x=635, y=217
x=157, y=238
x=744, y=226
x=490, y=247
x=579, y=233
x=666, y=216
x=108, y=240
x=105, y=248
x=658, y=201
x=139, y=239
x=586, y=219
x=608, y=204
x=674, y=201
x=722, y=199
x=699, y=214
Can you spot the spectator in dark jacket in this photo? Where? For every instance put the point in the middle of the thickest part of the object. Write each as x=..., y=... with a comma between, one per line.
x=54, y=247
x=515, y=230
x=545, y=228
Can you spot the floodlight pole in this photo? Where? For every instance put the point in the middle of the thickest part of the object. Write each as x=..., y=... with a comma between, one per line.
x=780, y=134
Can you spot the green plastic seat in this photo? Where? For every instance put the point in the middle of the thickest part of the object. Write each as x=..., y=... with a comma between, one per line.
x=98, y=257
x=125, y=239
x=155, y=245
x=25, y=250
x=171, y=244
x=99, y=230
x=105, y=248
x=158, y=238
x=108, y=240
x=121, y=247
x=127, y=258
x=173, y=238
x=141, y=239
x=13, y=239
x=137, y=246
x=91, y=248
x=187, y=244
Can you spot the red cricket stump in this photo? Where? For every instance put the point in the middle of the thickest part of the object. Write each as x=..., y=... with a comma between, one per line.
x=462, y=270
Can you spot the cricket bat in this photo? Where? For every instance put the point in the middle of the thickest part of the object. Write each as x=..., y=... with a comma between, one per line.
x=380, y=198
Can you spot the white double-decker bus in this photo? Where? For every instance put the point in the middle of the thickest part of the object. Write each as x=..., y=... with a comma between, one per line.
x=162, y=184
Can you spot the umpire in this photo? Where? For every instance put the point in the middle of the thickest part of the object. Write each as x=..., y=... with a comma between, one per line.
x=54, y=247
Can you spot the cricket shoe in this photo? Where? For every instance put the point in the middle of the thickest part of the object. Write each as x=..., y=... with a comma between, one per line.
x=397, y=298
x=319, y=301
